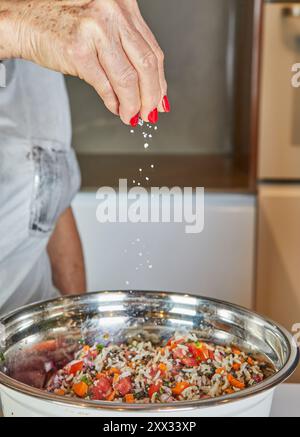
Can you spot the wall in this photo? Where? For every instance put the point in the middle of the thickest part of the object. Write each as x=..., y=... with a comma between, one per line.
x=218, y=262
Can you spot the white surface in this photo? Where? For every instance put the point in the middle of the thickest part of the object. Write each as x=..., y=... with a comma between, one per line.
x=286, y=401
x=217, y=263
x=16, y=404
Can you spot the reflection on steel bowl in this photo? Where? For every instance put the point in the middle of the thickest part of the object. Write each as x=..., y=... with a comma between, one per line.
x=41, y=338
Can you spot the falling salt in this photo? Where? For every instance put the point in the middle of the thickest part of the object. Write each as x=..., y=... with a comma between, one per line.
x=133, y=181
x=147, y=179
x=138, y=240
x=155, y=127
x=146, y=146
x=140, y=170
x=150, y=136
x=127, y=282
x=140, y=254
x=152, y=166
x=150, y=266
x=139, y=184
x=132, y=131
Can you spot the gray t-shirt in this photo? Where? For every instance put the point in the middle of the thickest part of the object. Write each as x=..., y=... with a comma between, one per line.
x=39, y=176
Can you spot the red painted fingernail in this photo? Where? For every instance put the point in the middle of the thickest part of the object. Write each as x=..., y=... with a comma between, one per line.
x=166, y=104
x=153, y=116
x=135, y=120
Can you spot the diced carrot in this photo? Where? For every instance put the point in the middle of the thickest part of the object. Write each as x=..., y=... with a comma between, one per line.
x=86, y=348
x=162, y=367
x=111, y=397
x=236, y=351
x=116, y=378
x=250, y=361
x=235, y=382
x=220, y=370
x=229, y=391
x=80, y=389
x=236, y=366
x=59, y=392
x=114, y=371
x=129, y=398
x=179, y=387
x=100, y=375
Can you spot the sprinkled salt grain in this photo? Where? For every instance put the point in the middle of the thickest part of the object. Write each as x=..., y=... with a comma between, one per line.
x=132, y=131
x=140, y=169
x=147, y=179
x=150, y=266
x=139, y=184
x=146, y=146
x=155, y=127
x=127, y=282
x=138, y=240
x=150, y=136
x=152, y=166
x=133, y=181
x=140, y=254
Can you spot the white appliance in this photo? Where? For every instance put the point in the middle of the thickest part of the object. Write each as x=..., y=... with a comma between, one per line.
x=278, y=262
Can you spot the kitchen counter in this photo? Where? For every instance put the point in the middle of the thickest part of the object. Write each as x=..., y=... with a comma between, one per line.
x=286, y=402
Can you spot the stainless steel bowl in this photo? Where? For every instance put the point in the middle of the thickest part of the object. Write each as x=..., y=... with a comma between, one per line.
x=49, y=332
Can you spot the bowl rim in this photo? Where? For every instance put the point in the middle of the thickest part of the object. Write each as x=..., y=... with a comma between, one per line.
x=265, y=386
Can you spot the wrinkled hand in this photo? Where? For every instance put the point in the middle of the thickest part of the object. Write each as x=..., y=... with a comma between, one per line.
x=104, y=42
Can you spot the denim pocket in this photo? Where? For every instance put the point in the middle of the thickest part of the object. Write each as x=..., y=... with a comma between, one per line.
x=56, y=181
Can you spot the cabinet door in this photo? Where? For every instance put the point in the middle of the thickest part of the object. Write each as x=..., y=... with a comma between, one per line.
x=278, y=261
x=279, y=138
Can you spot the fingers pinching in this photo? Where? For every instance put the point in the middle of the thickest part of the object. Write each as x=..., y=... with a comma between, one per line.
x=145, y=63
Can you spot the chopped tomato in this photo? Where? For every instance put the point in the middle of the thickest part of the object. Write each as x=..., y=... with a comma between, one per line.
x=74, y=367
x=199, y=351
x=179, y=387
x=190, y=362
x=154, y=388
x=178, y=353
x=235, y=382
x=211, y=354
x=102, y=389
x=80, y=389
x=124, y=386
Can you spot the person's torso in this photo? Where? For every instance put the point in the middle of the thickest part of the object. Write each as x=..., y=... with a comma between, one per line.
x=38, y=170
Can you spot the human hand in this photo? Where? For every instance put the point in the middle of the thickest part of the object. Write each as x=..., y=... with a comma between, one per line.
x=104, y=42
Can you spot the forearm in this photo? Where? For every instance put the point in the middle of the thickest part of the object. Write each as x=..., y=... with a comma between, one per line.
x=66, y=256
x=10, y=19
